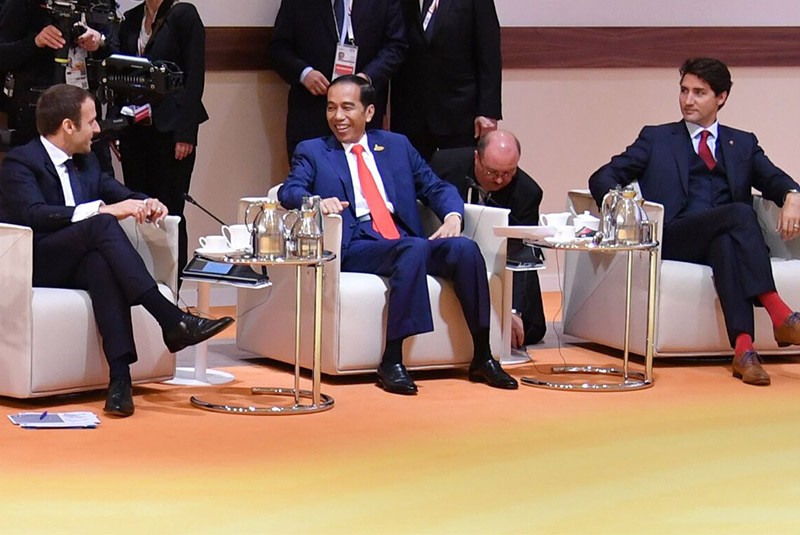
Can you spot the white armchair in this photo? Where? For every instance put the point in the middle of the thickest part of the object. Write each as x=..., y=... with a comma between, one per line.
x=49, y=342
x=354, y=308
x=689, y=319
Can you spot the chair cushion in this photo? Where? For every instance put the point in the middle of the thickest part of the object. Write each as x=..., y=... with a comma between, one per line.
x=67, y=354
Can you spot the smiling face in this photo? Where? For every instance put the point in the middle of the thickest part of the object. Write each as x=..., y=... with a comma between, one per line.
x=347, y=116
x=698, y=102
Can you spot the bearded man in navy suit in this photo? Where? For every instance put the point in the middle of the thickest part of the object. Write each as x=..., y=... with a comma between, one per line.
x=703, y=172
x=54, y=185
x=374, y=181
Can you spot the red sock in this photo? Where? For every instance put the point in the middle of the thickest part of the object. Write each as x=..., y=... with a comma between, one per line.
x=778, y=310
x=744, y=342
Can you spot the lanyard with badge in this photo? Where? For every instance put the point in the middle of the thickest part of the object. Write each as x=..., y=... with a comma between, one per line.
x=346, y=49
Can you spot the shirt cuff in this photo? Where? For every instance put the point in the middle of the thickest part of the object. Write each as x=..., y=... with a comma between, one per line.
x=454, y=213
x=86, y=210
x=305, y=73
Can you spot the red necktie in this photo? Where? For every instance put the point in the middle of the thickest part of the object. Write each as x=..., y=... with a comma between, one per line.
x=381, y=218
x=704, y=152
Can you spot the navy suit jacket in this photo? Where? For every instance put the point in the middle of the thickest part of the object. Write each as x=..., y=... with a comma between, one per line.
x=659, y=160
x=305, y=35
x=31, y=194
x=319, y=167
x=455, y=77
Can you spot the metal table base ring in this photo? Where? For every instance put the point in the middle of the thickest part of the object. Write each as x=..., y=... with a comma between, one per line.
x=326, y=402
x=633, y=380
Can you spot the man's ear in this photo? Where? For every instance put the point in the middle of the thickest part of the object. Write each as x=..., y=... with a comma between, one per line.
x=722, y=98
x=68, y=126
x=370, y=112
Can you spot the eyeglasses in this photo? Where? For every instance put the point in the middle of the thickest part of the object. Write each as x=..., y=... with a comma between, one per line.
x=494, y=174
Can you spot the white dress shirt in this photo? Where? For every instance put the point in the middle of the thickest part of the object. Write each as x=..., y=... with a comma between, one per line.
x=695, y=131
x=361, y=202
x=59, y=159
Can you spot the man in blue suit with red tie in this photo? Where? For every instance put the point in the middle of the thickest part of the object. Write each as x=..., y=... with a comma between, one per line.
x=703, y=172
x=374, y=181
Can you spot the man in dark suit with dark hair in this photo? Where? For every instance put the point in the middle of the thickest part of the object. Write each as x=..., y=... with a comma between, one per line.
x=703, y=172
x=447, y=92
x=54, y=185
x=490, y=175
x=305, y=44
x=374, y=179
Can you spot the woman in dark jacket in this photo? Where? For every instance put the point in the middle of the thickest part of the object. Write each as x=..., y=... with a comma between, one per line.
x=158, y=159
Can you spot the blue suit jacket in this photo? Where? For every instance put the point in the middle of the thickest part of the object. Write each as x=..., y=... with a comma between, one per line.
x=31, y=194
x=319, y=167
x=659, y=160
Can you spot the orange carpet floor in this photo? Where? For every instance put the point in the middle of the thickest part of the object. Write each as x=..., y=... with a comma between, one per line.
x=698, y=453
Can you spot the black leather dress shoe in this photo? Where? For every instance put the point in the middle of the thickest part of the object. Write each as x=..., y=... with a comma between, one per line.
x=192, y=330
x=119, y=401
x=395, y=379
x=491, y=373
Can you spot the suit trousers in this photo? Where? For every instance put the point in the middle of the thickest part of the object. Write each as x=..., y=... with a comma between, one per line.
x=729, y=240
x=95, y=255
x=406, y=262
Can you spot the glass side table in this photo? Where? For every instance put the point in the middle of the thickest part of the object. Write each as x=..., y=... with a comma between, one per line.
x=630, y=380
x=318, y=401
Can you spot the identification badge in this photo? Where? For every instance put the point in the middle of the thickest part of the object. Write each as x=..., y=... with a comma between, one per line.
x=345, y=62
x=76, y=68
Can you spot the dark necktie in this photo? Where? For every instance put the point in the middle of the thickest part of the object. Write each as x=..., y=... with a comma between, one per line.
x=381, y=218
x=704, y=152
x=74, y=182
x=338, y=10
x=426, y=6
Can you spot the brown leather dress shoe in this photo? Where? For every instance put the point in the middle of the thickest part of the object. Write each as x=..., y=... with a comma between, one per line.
x=747, y=367
x=788, y=333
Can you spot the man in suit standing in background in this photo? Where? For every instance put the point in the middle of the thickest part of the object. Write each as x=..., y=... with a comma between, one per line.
x=703, y=173
x=374, y=181
x=447, y=92
x=315, y=40
x=54, y=185
x=490, y=175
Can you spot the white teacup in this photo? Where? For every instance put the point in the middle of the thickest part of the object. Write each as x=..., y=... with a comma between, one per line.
x=587, y=220
x=213, y=243
x=564, y=233
x=237, y=236
x=554, y=220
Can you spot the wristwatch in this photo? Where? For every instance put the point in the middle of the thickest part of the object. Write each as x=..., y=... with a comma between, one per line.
x=516, y=312
x=793, y=190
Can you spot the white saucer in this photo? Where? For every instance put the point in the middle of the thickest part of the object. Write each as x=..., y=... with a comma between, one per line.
x=553, y=239
x=215, y=252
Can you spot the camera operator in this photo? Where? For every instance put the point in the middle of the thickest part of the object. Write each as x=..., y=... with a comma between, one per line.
x=36, y=54
x=159, y=158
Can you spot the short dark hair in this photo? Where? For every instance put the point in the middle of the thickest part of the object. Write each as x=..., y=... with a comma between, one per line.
x=57, y=103
x=367, y=90
x=711, y=71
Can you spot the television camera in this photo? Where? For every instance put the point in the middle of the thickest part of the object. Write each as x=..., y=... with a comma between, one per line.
x=72, y=17
x=127, y=84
